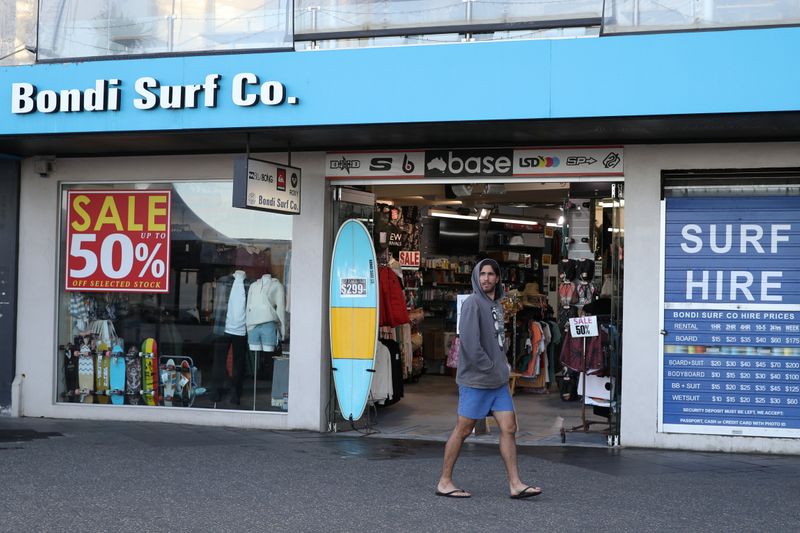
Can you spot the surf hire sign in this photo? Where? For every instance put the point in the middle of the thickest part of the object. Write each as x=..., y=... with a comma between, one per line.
x=266, y=186
x=731, y=328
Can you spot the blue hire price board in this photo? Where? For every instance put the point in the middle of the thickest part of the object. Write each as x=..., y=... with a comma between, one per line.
x=731, y=344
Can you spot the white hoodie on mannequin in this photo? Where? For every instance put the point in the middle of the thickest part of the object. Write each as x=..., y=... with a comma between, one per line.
x=235, y=319
x=266, y=303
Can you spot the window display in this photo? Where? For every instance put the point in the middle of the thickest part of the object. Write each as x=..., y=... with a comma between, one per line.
x=171, y=297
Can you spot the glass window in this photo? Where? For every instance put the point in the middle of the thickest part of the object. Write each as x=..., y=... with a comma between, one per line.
x=17, y=32
x=622, y=16
x=218, y=334
x=91, y=28
x=313, y=16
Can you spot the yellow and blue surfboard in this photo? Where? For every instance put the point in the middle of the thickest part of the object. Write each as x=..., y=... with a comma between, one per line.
x=353, y=316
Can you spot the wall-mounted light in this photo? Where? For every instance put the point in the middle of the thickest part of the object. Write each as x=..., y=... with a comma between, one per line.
x=484, y=213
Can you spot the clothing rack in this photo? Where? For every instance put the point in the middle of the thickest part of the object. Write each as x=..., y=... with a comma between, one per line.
x=585, y=424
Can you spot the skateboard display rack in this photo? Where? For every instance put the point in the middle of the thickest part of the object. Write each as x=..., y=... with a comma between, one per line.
x=89, y=374
x=185, y=390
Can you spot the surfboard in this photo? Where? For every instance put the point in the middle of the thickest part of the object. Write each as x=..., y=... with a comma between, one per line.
x=353, y=316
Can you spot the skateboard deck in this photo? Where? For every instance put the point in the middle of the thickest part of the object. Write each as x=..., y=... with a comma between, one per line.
x=169, y=378
x=102, y=376
x=117, y=376
x=71, y=355
x=86, y=375
x=150, y=372
x=185, y=382
x=149, y=382
x=133, y=376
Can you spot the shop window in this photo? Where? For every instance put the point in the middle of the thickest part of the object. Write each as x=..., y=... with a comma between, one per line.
x=170, y=297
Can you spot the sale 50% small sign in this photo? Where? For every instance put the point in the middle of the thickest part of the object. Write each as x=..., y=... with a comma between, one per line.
x=583, y=326
x=118, y=241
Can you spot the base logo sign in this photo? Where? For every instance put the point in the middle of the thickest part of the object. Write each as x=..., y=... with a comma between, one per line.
x=468, y=163
x=118, y=241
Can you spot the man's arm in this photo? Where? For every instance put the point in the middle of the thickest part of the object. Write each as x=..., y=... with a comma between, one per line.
x=470, y=338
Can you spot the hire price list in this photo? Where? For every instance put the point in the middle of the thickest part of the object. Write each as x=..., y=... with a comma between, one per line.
x=732, y=368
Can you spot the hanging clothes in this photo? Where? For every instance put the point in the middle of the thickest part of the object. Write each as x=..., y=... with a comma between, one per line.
x=533, y=367
x=572, y=353
x=406, y=348
x=392, y=307
x=397, y=370
x=381, y=387
x=552, y=349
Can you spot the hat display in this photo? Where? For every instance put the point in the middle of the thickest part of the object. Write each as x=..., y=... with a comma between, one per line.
x=531, y=294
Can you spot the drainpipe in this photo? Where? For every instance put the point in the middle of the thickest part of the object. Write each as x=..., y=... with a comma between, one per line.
x=16, y=396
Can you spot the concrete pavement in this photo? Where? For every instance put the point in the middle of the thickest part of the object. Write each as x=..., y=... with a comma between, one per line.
x=59, y=475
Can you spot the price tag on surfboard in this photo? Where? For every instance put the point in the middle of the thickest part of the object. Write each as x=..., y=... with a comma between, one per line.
x=353, y=287
x=583, y=326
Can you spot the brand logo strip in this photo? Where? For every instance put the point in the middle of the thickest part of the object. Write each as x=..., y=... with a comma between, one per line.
x=471, y=163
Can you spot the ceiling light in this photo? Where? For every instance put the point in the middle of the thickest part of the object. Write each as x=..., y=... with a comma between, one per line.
x=515, y=221
x=450, y=214
x=561, y=220
x=484, y=213
x=620, y=203
x=553, y=225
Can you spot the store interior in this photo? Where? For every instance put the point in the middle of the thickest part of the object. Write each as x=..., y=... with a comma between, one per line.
x=560, y=248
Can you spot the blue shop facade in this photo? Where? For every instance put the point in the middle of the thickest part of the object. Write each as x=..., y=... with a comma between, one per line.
x=705, y=122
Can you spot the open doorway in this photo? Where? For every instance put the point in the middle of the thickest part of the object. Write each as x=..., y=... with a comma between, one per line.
x=560, y=247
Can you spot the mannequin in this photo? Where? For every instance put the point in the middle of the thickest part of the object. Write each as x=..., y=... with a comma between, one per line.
x=266, y=314
x=230, y=333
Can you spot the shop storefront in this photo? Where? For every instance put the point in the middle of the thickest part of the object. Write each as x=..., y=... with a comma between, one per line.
x=153, y=271
x=552, y=218
x=140, y=190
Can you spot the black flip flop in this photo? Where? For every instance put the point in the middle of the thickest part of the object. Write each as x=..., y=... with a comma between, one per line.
x=527, y=492
x=452, y=493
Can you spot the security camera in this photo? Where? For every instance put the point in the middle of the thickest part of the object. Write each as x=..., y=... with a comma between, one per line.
x=44, y=166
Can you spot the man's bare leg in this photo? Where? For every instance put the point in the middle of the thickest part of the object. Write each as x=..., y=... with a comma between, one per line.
x=507, y=422
x=451, y=450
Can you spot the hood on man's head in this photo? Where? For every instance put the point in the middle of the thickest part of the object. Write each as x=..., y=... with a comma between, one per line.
x=476, y=284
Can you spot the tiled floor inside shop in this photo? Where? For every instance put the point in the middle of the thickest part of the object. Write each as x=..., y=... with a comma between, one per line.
x=428, y=411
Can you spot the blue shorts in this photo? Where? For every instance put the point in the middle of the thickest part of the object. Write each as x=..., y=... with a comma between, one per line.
x=479, y=403
x=263, y=337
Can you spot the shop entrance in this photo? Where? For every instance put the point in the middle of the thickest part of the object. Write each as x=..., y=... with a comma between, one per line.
x=560, y=247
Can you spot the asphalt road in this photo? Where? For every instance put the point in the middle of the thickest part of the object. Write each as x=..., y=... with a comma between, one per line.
x=62, y=475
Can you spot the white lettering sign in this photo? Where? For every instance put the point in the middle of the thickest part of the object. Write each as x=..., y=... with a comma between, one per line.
x=246, y=90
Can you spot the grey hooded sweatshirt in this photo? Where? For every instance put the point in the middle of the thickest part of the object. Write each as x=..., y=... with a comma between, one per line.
x=481, y=358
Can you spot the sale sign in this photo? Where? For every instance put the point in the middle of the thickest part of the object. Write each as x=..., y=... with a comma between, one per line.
x=409, y=259
x=118, y=241
x=583, y=326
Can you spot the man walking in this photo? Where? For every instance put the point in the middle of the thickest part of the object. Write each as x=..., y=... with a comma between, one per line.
x=482, y=379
